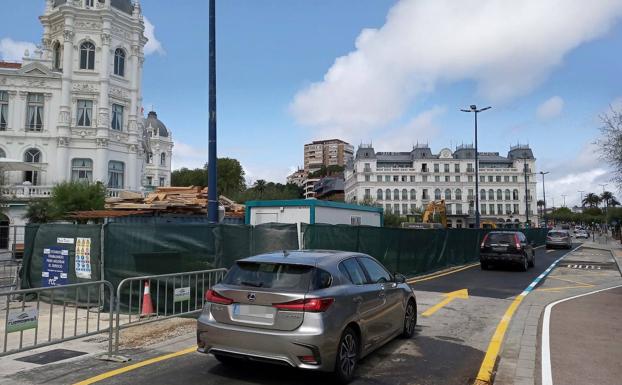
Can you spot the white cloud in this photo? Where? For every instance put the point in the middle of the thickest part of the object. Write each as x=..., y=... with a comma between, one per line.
x=550, y=108
x=506, y=47
x=421, y=128
x=12, y=50
x=153, y=45
x=186, y=155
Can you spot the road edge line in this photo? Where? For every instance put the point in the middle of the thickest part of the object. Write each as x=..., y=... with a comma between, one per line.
x=484, y=376
x=441, y=274
x=547, y=374
x=137, y=365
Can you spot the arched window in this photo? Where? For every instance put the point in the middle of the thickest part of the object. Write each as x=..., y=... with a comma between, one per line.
x=2, y=153
x=116, y=174
x=499, y=195
x=87, y=56
x=404, y=195
x=482, y=194
x=56, y=59
x=507, y=195
x=515, y=195
x=458, y=194
x=150, y=157
x=379, y=194
x=387, y=194
x=396, y=194
x=447, y=194
x=119, y=62
x=162, y=159
x=32, y=155
x=413, y=194
x=437, y=194
x=491, y=195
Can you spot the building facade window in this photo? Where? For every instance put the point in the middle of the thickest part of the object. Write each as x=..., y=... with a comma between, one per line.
x=119, y=62
x=85, y=113
x=404, y=208
x=82, y=170
x=447, y=178
x=396, y=194
x=514, y=179
x=491, y=209
x=499, y=195
x=483, y=210
x=34, y=112
x=413, y=194
x=447, y=194
x=482, y=194
x=56, y=56
x=437, y=178
x=396, y=208
x=482, y=178
x=507, y=195
x=506, y=179
x=388, y=194
x=117, y=117
x=515, y=195
x=491, y=195
x=424, y=194
x=436, y=168
x=404, y=194
x=162, y=182
x=457, y=167
x=387, y=178
x=446, y=167
x=515, y=211
x=470, y=178
x=2, y=153
x=437, y=194
x=379, y=194
x=457, y=178
x=116, y=173
x=367, y=178
x=87, y=56
x=32, y=156
x=412, y=178
x=458, y=194
x=459, y=209
x=508, y=209
x=490, y=178
x=498, y=178
x=366, y=196
x=499, y=209
x=379, y=178
x=149, y=181
x=4, y=110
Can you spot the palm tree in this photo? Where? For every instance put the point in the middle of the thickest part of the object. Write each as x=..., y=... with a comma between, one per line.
x=260, y=186
x=606, y=197
x=592, y=200
x=614, y=202
x=540, y=204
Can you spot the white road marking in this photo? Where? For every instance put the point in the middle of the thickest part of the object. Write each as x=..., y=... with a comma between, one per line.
x=547, y=376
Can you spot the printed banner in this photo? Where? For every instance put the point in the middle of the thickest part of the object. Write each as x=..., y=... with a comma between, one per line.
x=181, y=294
x=55, y=266
x=19, y=320
x=83, y=258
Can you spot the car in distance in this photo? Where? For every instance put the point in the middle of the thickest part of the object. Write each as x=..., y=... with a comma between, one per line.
x=581, y=234
x=317, y=310
x=499, y=247
x=558, y=238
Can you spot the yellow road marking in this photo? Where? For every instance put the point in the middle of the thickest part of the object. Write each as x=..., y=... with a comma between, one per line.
x=565, y=287
x=137, y=365
x=570, y=280
x=434, y=276
x=461, y=294
x=485, y=371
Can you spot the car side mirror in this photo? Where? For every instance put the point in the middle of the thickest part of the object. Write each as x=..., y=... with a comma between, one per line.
x=399, y=278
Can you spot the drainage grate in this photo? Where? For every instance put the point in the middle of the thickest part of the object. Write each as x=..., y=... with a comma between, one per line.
x=583, y=265
x=50, y=356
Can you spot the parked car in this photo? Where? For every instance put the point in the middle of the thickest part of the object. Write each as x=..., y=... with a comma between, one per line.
x=582, y=234
x=558, y=238
x=506, y=247
x=317, y=310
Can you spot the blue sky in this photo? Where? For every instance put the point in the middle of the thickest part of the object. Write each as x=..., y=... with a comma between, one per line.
x=389, y=72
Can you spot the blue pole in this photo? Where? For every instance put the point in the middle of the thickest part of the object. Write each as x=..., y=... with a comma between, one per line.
x=212, y=176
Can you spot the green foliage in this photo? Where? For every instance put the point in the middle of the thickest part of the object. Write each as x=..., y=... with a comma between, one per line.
x=327, y=171
x=40, y=211
x=230, y=177
x=591, y=200
x=263, y=190
x=67, y=197
x=393, y=220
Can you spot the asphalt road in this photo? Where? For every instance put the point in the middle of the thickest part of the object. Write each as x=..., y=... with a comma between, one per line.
x=448, y=347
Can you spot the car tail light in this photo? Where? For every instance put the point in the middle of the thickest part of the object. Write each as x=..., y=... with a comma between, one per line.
x=212, y=296
x=484, y=241
x=312, y=305
x=517, y=241
x=308, y=360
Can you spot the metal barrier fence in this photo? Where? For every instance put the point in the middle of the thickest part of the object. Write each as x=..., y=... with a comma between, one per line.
x=34, y=320
x=11, y=241
x=175, y=295
x=9, y=275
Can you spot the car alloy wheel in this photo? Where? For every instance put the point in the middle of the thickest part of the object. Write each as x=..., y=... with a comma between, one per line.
x=410, y=320
x=347, y=356
x=525, y=265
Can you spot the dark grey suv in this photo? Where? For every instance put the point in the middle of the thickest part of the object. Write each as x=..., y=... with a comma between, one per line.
x=506, y=247
x=318, y=310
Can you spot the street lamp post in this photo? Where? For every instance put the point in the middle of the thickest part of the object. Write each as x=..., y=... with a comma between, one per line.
x=212, y=179
x=526, y=193
x=564, y=198
x=473, y=108
x=543, y=173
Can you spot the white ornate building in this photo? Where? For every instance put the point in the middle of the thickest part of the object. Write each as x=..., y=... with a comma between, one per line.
x=404, y=182
x=74, y=106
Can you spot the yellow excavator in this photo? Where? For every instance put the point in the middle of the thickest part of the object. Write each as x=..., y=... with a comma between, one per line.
x=433, y=209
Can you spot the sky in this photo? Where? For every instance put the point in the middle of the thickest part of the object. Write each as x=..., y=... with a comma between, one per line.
x=393, y=73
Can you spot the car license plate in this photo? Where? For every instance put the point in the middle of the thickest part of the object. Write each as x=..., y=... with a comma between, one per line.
x=500, y=248
x=256, y=311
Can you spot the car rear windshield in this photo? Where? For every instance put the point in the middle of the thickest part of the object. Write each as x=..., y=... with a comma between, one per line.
x=278, y=276
x=501, y=238
x=558, y=234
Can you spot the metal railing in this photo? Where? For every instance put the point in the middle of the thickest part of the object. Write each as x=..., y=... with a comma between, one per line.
x=172, y=295
x=9, y=275
x=33, y=317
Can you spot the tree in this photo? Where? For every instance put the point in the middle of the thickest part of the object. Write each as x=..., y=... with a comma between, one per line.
x=230, y=177
x=327, y=171
x=540, y=204
x=260, y=186
x=610, y=143
x=67, y=197
x=39, y=211
x=591, y=200
x=606, y=197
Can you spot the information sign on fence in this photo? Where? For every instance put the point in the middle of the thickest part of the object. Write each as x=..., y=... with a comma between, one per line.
x=54, y=272
x=181, y=294
x=83, y=258
x=19, y=320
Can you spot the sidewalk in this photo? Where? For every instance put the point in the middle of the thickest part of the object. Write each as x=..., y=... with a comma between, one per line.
x=592, y=267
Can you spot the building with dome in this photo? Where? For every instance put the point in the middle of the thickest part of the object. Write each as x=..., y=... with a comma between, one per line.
x=74, y=106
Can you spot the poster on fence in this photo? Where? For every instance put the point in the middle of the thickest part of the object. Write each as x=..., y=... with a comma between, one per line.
x=55, y=266
x=19, y=320
x=83, y=258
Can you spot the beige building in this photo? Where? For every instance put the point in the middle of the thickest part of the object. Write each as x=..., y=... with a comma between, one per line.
x=332, y=152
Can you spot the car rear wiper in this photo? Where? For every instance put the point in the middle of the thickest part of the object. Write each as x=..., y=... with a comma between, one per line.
x=254, y=284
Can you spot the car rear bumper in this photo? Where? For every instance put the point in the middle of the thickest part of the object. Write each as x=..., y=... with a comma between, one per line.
x=264, y=345
x=558, y=244
x=504, y=258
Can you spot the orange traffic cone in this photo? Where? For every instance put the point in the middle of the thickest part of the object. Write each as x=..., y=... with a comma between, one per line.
x=147, y=308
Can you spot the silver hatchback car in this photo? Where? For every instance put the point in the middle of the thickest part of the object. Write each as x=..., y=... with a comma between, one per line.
x=318, y=310
x=558, y=238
